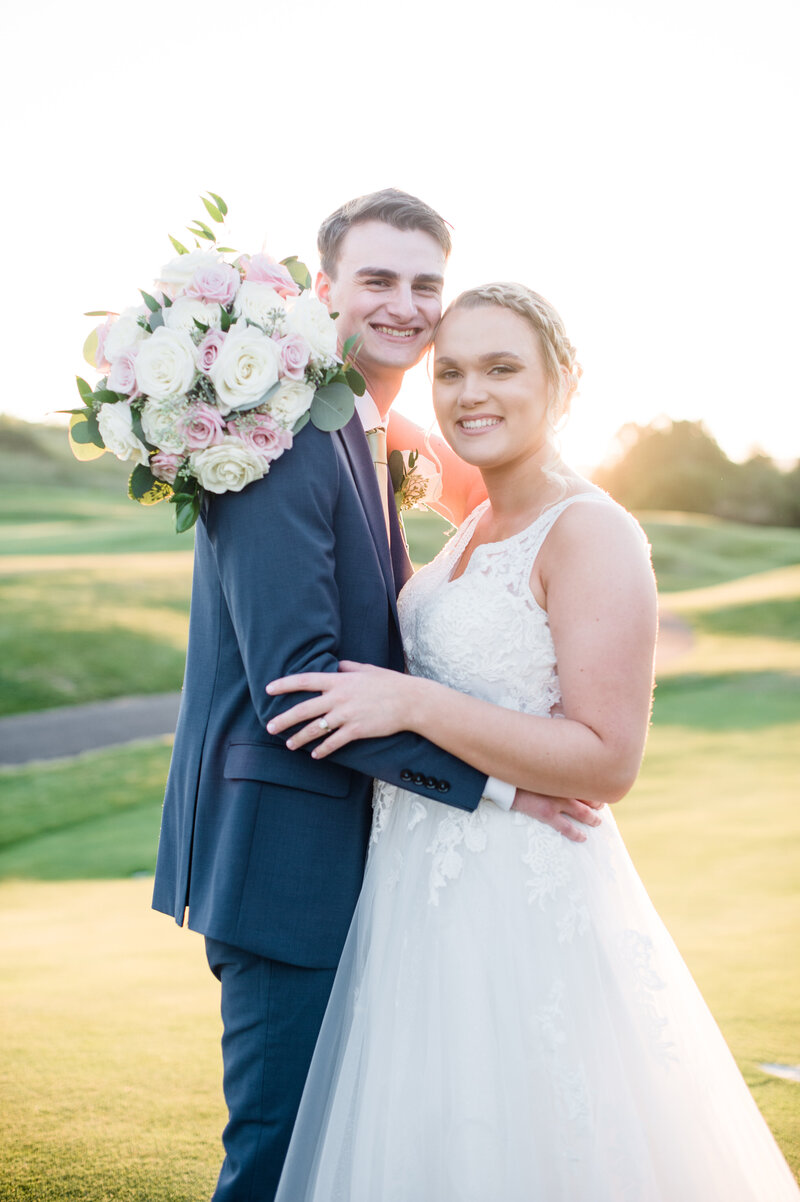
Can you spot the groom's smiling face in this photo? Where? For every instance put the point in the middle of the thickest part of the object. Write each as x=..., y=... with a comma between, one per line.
x=387, y=290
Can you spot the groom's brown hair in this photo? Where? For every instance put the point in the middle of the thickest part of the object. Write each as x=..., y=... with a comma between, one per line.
x=400, y=209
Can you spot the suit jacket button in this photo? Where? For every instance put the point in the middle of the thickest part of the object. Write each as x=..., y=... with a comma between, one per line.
x=431, y=782
x=419, y=779
x=406, y=774
x=443, y=786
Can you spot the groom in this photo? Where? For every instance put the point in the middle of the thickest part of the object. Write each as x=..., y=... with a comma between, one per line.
x=265, y=847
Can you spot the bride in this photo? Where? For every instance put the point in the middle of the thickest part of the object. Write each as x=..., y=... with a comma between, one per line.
x=510, y=1021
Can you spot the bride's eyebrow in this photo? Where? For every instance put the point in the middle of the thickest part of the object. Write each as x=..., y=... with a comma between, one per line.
x=490, y=357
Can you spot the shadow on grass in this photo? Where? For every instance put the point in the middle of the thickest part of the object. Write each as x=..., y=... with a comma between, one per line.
x=774, y=619
x=728, y=700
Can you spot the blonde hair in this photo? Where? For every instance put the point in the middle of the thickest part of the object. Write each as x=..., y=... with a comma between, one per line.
x=559, y=355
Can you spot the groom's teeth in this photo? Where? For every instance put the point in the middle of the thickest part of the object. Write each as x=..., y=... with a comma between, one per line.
x=395, y=333
x=477, y=423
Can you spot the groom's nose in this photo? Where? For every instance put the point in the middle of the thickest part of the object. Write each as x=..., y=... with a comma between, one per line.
x=401, y=303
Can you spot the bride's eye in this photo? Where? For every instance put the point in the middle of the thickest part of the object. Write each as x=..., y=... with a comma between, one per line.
x=448, y=375
x=503, y=369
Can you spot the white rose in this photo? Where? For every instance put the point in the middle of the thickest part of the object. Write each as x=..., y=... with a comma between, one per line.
x=290, y=402
x=245, y=368
x=165, y=364
x=180, y=271
x=124, y=333
x=116, y=430
x=160, y=424
x=259, y=303
x=309, y=317
x=181, y=314
x=228, y=466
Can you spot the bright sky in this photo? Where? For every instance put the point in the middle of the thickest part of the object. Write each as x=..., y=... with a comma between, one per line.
x=634, y=162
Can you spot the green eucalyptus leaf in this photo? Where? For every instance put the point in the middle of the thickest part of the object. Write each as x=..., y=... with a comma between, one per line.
x=262, y=400
x=348, y=344
x=298, y=271
x=85, y=440
x=397, y=470
x=201, y=326
x=145, y=488
x=219, y=202
x=100, y=313
x=227, y=250
x=85, y=390
x=225, y=320
x=104, y=396
x=155, y=320
x=302, y=421
x=151, y=302
x=203, y=230
x=180, y=248
x=187, y=510
x=356, y=381
x=212, y=210
x=136, y=426
x=333, y=406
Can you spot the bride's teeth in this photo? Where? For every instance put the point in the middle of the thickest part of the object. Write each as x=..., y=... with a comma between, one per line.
x=476, y=423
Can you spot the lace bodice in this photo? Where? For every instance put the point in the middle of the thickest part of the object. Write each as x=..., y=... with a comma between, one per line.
x=484, y=633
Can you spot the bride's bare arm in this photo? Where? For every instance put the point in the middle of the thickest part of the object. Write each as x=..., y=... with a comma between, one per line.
x=462, y=484
x=594, y=578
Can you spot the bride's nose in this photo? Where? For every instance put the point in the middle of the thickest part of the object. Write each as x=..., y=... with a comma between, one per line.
x=473, y=391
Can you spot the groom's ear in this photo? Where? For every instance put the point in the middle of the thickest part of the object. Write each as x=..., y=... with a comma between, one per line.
x=323, y=289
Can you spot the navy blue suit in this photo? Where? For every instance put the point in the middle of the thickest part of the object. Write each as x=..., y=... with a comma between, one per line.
x=264, y=846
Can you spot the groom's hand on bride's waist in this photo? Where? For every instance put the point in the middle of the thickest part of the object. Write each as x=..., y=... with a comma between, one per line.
x=565, y=814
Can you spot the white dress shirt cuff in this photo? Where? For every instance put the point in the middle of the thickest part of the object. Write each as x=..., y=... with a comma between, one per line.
x=500, y=793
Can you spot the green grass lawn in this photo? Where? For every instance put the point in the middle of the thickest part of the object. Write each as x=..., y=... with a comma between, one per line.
x=110, y=1081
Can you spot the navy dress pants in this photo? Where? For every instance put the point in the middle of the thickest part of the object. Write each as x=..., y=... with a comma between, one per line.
x=271, y=1016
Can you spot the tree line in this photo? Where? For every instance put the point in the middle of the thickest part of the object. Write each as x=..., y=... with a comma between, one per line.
x=678, y=465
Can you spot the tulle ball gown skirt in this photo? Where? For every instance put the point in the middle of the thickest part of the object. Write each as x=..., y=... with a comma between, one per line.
x=511, y=1022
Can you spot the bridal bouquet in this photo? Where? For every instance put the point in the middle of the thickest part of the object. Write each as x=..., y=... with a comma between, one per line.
x=205, y=384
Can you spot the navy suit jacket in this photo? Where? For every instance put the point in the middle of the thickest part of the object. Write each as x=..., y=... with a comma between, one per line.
x=265, y=846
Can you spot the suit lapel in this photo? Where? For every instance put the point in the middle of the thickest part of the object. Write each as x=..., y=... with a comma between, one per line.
x=354, y=441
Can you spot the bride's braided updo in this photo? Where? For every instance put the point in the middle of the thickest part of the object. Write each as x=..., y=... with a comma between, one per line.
x=562, y=368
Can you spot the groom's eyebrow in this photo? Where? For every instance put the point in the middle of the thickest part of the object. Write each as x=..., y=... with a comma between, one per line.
x=385, y=273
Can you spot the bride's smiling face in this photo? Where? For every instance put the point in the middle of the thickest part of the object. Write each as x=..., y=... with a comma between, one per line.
x=490, y=390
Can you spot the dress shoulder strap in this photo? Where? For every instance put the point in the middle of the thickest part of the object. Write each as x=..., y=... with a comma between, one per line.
x=455, y=545
x=534, y=536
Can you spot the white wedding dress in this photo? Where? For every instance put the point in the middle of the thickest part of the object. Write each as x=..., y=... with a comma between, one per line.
x=511, y=1022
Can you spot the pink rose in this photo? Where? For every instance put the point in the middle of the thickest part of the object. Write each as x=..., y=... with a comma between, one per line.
x=122, y=377
x=261, y=269
x=214, y=282
x=202, y=427
x=165, y=467
x=295, y=354
x=208, y=350
x=100, y=361
x=262, y=434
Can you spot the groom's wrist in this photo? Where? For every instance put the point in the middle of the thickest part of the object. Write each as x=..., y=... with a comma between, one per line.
x=500, y=792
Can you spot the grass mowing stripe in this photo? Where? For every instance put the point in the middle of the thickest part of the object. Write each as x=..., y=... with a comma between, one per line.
x=44, y=797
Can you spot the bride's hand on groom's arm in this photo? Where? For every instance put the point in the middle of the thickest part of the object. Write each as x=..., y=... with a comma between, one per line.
x=359, y=701
x=562, y=813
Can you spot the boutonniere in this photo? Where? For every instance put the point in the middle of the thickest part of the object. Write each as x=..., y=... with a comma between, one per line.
x=416, y=481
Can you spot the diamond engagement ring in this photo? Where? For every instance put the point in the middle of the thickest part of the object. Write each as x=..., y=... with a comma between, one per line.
x=323, y=725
